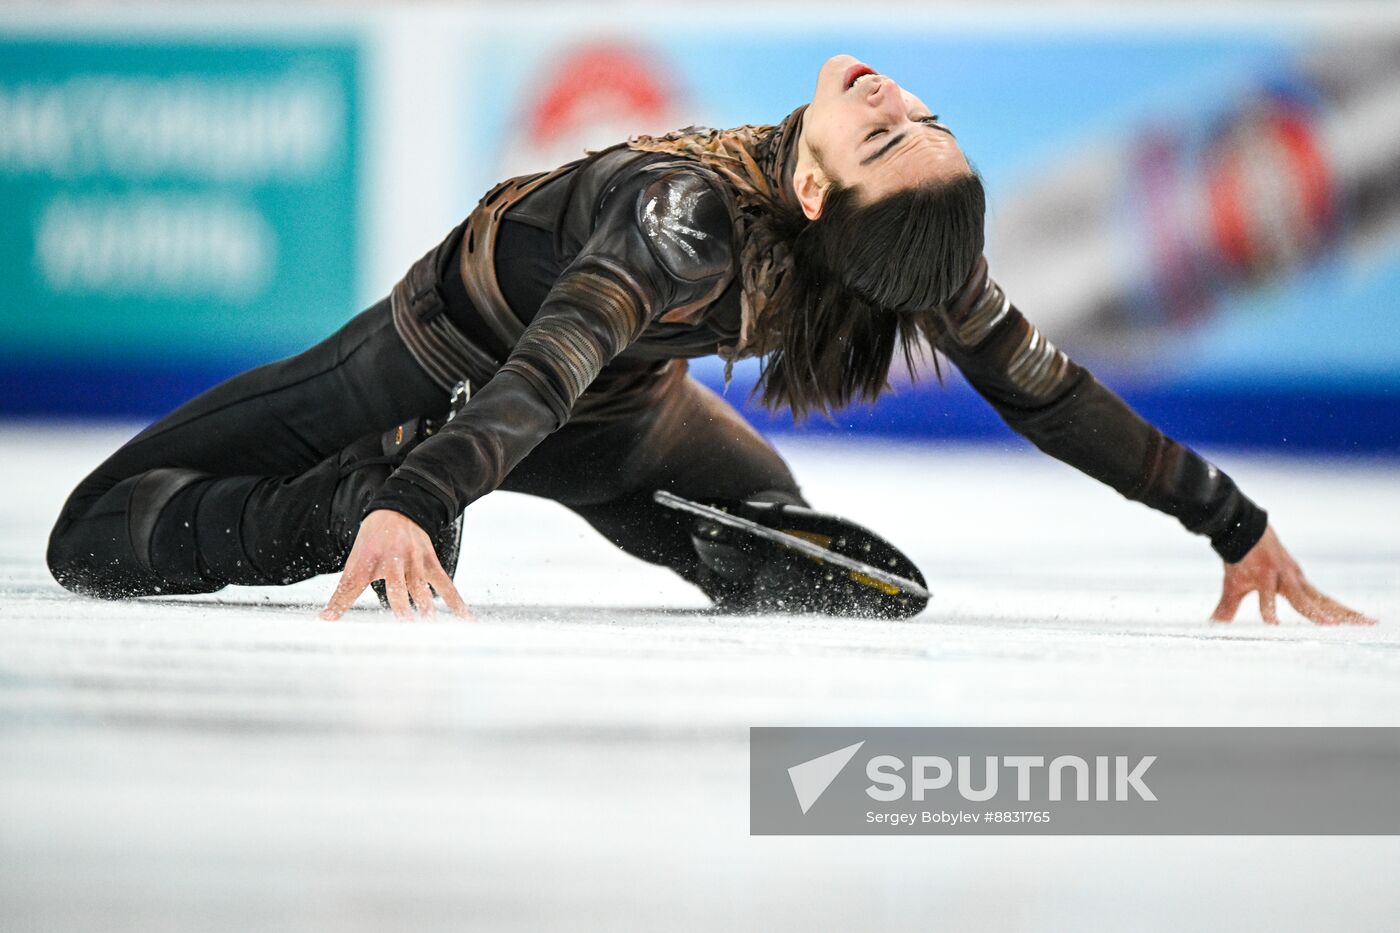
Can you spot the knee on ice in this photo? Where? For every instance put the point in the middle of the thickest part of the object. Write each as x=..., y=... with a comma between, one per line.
x=103, y=547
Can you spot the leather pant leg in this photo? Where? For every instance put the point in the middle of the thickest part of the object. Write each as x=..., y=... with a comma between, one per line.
x=179, y=508
x=687, y=440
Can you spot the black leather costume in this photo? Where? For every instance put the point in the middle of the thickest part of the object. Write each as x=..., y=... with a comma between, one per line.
x=1061, y=408
x=640, y=240
x=570, y=301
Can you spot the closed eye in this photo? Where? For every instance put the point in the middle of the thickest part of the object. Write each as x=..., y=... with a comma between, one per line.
x=932, y=120
x=880, y=153
x=874, y=133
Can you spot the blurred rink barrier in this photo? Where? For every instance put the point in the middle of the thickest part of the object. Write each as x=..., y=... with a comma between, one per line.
x=1203, y=206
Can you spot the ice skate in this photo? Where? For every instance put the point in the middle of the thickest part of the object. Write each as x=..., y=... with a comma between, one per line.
x=778, y=557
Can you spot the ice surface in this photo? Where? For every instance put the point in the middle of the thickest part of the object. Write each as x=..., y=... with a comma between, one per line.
x=577, y=758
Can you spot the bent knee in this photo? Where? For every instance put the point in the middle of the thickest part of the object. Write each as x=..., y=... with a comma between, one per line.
x=82, y=564
x=90, y=550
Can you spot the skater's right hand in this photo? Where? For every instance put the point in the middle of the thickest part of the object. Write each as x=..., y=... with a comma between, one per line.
x=391, y=547
x=1270, y=570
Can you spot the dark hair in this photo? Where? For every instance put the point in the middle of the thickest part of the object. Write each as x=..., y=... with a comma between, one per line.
x=862, y=282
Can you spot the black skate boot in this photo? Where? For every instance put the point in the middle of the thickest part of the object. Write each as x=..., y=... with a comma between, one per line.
x=834, y=566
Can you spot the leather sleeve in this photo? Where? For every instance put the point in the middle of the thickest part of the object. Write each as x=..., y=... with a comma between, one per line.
x=1061, y=408
x=662, y=240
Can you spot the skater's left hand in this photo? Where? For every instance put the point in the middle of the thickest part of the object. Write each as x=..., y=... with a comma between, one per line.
x=391, y=547
x=1270, y=570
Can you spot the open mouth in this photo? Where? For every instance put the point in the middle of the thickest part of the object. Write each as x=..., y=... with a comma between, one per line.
x=856, y=72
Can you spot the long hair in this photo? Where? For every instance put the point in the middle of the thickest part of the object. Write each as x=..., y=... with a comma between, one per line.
x=863, y=285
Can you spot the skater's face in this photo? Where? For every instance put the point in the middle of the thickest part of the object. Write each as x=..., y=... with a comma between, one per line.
x=866, y=132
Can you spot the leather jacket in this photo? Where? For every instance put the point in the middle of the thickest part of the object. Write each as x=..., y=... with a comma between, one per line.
x=646, y=253
x=1060, y=407
x=645, y=245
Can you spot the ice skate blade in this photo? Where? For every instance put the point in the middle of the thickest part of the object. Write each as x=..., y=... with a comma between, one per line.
x=792, y=542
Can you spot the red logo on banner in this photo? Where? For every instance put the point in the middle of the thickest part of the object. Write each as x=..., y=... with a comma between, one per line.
x=590, y=97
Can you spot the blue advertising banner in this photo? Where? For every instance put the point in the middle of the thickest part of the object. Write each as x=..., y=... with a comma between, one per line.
x=174, y=211
x=1207, y=218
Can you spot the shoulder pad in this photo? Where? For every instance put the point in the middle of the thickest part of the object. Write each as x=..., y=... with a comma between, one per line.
x=687, y=225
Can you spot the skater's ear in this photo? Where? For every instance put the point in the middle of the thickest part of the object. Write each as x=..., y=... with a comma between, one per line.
x=811, y=183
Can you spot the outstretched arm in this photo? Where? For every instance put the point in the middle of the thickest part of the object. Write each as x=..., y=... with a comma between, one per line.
x=1061, y=408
